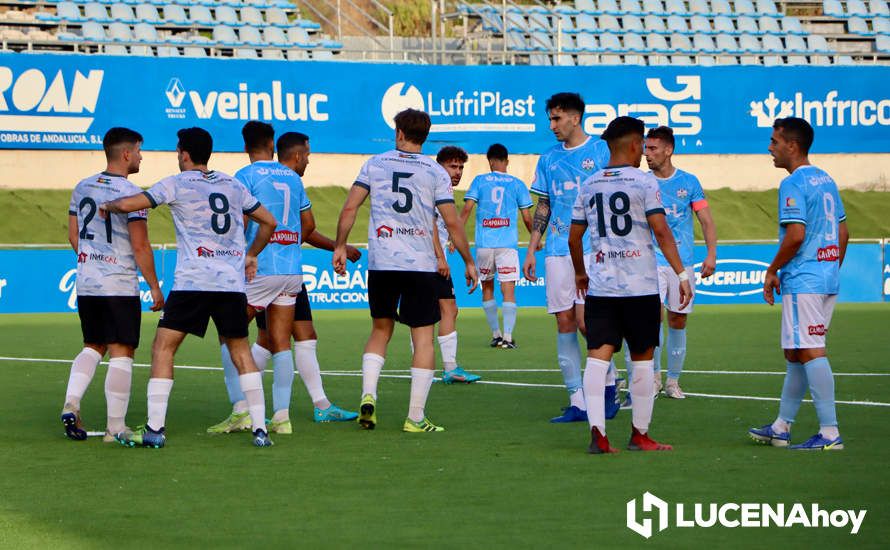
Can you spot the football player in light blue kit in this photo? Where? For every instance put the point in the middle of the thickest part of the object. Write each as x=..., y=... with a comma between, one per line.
x=558, y=176
x=812, y=242
x=499, y=195
x=681, y=195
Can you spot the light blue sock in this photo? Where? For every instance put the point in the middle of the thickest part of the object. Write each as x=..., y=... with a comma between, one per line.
x=793, y=390
x=233, y=383
x=822, y=390
x=491, y=314
x=282, y=379
x=568, y=353
x=676, y=345
x=509, y=309
x=657, y=354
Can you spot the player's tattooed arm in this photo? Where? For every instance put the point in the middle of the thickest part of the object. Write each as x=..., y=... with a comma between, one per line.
x=542, y=216
x=539, y=226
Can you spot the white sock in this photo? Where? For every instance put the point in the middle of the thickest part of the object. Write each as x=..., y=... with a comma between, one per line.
x=642, y=391
x=421, y=380
x=610, y=375
x=310, y=371
x=117, y=392
x=82, y=370
x=252, y=386
x=829, y=432
x=158, y=397
x=239, y=407
x=448, y=347
x=261, y=356
x=577, y=399
x=372, y=364
x=780, y=426
x=594, y=389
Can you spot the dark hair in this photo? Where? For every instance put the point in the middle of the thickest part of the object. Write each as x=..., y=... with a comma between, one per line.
x=451, y=152
x=197, y=142
x=797, y=130
x=257, y=135
x=119, y=136
x=414, y=124
x=496, y=151
x=567, y=101
x=663, y=133
x=623, y=126
x=288, y=140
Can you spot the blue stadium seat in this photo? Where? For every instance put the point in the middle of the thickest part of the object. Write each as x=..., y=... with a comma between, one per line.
x=703, y=43
x=675, y=7
x=772, y=60
x=610, y=42
x=69, y=11
x=120, y=32
x=796, y=60
x=141, y=50
x=168, y=51
x=250, y=35
x=631, y=6
x=539, y=59
x=727, y=43
x=201, y=14
x=537, y=21
x=147, y=12
x=750, y=60
x=856, y=7
x=681, y=43
x=768, y=24
x=567, y=23
x=791, y=25
x=323, y=55
x=675, y=23
x=586, y=6
x=274, y=36
x=564, y=60
x=658, y=60
x=272, y=53
x=795, y=43
x=844, y=60
x=653, y=7
x=682, y=60
x=491, y=22
x=115, y=49
x=123, y=13
x=747, y=24
x=516, y=21
x=632, y=23
x=586, y=42
x=609, y=22
x=772, y=43
x=93, y=31
x=767, y=7
x=882, y=43
x=728, y=60
x=516, y=41
x=298, y=35
x=881, y=25
x=634, y=43
x=705, y=60
x=749, y=43
x=724, y=24
x=820, y=60
x=657, y=43
x=743, y=7
x=226, y=15
x=276, y=16
x=194, y=51
x=608, y=6
x=245, y=53
x=878, y=7
x=700, y=23
x=700, y=7
x=817, y=43
x=654, y=23
x=541, y=40
x=586, y=22
x=95, y=11
x=225, y=35
x=251, y=16
x=720, y=7
x=145, y=32
x=174, y=13
x=857, y=25
x=297, y=55
x=833, y=8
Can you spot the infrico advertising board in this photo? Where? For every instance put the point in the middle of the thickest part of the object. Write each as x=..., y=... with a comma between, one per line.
x=68, y=102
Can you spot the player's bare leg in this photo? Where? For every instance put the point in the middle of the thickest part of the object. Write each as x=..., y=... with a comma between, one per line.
x=423, y=367
x=508, y=290
x=372, y=364
x=83, y=368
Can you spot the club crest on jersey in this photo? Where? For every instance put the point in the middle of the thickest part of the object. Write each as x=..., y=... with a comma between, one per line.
x=384, y=232
x=682, y=193
x=204, y=252
x=600, y=257
x=588, y=164
x=82, y=258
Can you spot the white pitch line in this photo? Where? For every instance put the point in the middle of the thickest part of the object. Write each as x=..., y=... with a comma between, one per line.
x=482, y=382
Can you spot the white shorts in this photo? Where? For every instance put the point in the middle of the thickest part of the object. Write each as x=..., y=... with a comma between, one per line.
x=805, y=319
x=669, y=288
x=560, y=283
x=279, y=290
x=503, y=261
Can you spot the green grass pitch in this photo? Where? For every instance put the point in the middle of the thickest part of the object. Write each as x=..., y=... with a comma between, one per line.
x=500, y=476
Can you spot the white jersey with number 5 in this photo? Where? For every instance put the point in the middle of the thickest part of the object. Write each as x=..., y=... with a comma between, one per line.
x=613, y=203
x=208, y=212
x=105, y=263
x=405, y=189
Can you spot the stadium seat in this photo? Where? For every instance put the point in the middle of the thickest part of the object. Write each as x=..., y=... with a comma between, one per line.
x=201, y=14
x=631, y=6
x=541, y=40
x=144, y=32
x=297, y=55
x=93, y=31
x=539, y=59
x=276, y=16
x=705, y=60
x=727, y=43
x=728, y=60
x=700, y=7
x=516, y=41
x=659, y=60
x=747, y=24
x=772, y=60
x=657, y=43
x=817, y=43
x=566, y=22
x=675, y=23
x=272, y=53
x=586, y=42
x=700, y=24
x=632, y=23
x=654, y=23
x=120, y=32
x=795, y=43
x=768, y=24
x=323, y=55
x=174, y=13
x=844, y=60
x=772, y=43
x=168, y=51
x=750, y=60
x=490, y=22
x=653, y=7
x=586, y=22
x=634, y=43
x=882, y=43
x=878, y=7
x=833, y=8
x=274, y=36
x=723, y=24
x=587, y=6
x=250, y=35
x=767, y=7
x=703, y=43
x=796, y=60
x=516, y=21
x=791, y=25
x=69, y=11
x=537, y=21
x=564, y=60
x=675, y=7
x=856, y=7
x=680, y=43
x=682, y=60
x=252, y=16
x=298, y=35
x=115, y=49
x=609, y=22
x=147, y=12
x=743, y=7
x=586, y=59
x=609, y=42
x=224, y=35
x=608, y=6
x=194, y=51
x=141, y=50
x=881, y=25
x=245, y=53
x=720, y=7
x=749, y=43
x=858, y=25
x=123, y=13
x=225, y=15
x=95, y=11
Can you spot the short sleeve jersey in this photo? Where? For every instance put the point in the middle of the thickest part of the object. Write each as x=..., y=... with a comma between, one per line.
x=809, y=196
x=498, y=196
x=405, y=189
x=681, y=195
x=105, y=262
x=281, y=191
x=614, y=204
x=208, y=209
